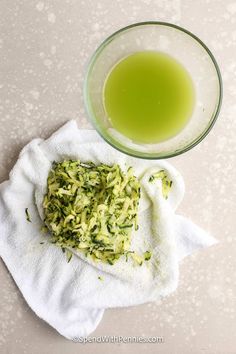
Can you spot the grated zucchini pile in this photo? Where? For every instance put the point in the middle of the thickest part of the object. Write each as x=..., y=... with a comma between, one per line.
x=92, y=209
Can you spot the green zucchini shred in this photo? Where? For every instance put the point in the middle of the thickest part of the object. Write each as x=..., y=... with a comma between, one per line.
x=68, y=255
x=28, y=218
x=166, y=182
x=92, y=209
x=147, y=255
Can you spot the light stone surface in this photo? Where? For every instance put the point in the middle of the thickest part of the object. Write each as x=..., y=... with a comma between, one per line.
x=45, y=46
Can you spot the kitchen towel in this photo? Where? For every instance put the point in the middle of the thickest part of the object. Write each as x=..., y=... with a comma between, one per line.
x=72, y=297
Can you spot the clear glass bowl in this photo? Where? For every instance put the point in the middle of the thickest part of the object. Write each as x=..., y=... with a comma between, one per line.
x=181, y=45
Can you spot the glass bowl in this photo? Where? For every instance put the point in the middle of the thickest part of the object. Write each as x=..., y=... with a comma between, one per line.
x=183, y=46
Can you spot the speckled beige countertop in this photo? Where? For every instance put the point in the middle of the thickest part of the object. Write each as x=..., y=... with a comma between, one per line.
x=45, y=46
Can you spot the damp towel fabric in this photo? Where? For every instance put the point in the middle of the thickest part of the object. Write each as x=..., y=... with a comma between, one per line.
x=72, y=297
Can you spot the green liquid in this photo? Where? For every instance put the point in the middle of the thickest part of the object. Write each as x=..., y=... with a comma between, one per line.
x=148, y=96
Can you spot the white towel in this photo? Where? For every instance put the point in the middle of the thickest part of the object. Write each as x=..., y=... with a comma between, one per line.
x=71, y=297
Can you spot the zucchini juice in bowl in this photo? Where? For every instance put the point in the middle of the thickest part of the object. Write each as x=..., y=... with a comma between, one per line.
x=153, y=90
x=148, y=96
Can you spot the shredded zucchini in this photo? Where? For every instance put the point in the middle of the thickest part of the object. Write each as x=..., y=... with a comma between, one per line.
x=166, y=182
x=28, y=218
x=92, y=209
x=147, y=255
x=68, y=255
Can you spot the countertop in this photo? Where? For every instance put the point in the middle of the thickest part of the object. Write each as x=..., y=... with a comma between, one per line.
x=45, y=46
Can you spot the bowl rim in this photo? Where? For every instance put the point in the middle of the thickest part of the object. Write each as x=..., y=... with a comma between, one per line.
x=121, y=147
